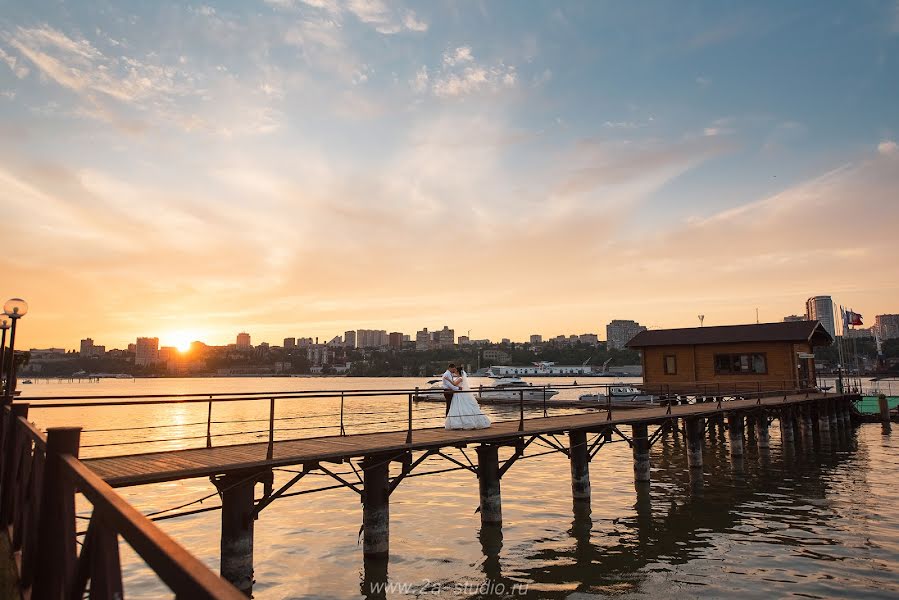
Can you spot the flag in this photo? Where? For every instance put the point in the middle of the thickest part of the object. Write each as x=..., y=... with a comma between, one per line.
x=853, y=318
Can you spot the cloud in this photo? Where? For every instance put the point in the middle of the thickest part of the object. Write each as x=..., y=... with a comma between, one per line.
x=375, y=13
x=462, y=54
x=77, y=65
x=460, y=74
x=20, y=70
x=887, y=147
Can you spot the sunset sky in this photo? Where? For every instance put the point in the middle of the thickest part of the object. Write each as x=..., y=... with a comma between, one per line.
x=299, y=168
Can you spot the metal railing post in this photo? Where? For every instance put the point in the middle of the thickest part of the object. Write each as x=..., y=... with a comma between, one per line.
x=409, y=430
x=608, y=403
x=342, y=430
x=209, y=424
x=271, y=429
x=521, y=410
x=544, y=400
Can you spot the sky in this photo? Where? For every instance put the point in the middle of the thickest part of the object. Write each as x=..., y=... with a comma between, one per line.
x=305, y=167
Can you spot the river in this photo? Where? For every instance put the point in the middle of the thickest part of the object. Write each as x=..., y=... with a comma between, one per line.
x=816, y=522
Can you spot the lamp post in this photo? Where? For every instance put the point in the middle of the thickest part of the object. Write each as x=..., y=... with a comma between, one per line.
x=15, y=309
x=4, y=325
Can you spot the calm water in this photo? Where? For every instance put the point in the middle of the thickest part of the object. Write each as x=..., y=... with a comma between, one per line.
x=817, y=521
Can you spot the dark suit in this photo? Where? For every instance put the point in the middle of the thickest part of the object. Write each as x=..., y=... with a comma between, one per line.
x=448, y=394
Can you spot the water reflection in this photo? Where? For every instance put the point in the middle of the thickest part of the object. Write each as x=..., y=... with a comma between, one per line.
x=678, y=518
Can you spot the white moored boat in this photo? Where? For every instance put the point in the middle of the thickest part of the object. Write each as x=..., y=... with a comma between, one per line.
x=512, y=388
x=504, y=389
x=622, y=396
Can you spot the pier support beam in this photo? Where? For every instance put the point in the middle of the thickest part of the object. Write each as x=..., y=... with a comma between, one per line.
x=762, y=434
x=735, y=435
x=823, y=419
x=833, y=412
x=580, y=466
x=237, y=530
x=695, y=427
x=640, y=445
x=376, y=506
x=488, y=485
x=806, y=425
x=787, y=428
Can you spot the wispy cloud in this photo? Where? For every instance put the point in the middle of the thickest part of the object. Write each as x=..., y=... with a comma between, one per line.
x=460, y=74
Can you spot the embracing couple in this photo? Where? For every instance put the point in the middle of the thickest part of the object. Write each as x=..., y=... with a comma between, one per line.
x=462, y=409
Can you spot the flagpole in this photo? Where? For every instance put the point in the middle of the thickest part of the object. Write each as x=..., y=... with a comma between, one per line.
x=840, y=351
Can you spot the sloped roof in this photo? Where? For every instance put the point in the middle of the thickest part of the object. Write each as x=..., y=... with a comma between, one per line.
x=793, y=331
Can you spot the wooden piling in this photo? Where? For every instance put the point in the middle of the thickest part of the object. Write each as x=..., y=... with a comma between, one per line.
x=806, y=424
x=762, y=433
x=695, y=428
x=823, y=418
x=787, y=428
x=735, y=434
x=580, y=466
x=56, y=529
x=236, y=490
x=640, y=446
x=488, y=485
x=376, y=506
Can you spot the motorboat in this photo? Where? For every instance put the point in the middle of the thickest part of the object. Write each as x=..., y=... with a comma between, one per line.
x=621, y=396
x=512, y=388
x=503, y=389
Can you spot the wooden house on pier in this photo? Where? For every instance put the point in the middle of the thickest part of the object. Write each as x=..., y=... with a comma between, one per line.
x=751, y=358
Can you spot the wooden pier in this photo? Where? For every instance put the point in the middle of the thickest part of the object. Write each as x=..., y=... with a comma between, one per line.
x=237, y=469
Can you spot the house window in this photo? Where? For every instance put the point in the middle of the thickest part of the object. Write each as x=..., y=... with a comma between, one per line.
x=670, y=364
x=741, y=364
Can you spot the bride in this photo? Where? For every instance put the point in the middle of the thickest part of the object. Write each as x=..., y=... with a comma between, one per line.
x=464, y=412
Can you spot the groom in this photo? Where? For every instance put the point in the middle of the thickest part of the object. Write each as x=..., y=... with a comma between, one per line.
x=449, y=387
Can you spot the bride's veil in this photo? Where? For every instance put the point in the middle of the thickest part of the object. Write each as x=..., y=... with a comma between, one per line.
x=465, y=385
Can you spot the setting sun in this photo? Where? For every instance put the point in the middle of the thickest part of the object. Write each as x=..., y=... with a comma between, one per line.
x=179, y=339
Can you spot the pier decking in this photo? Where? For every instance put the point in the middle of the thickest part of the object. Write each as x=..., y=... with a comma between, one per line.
x=155, y=467
x=42, y=474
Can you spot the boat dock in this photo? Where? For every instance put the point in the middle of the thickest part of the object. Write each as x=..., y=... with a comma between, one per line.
x=41, y=474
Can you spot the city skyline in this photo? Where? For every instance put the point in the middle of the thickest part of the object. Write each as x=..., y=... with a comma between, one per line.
x=182, y=340
x=194, y=169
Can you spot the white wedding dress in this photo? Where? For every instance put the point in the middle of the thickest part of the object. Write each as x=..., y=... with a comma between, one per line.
x=465, y=412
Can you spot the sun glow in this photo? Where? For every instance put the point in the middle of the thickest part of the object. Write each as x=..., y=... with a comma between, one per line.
x=179, y=339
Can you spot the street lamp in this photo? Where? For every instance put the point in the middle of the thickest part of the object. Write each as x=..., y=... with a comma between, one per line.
x=15, y=309
x=4, y=325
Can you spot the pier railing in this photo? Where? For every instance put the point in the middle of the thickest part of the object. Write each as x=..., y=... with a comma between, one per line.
x=281, y=415
x=40, y=478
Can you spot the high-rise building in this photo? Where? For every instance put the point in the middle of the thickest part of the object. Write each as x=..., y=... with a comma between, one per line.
x=619, y=332
x=89, y=349
x=146, y=351
x=887, y=326
x=536, y=339
x=243, y=341
x=793, y=318
x=820, y=308
x=464, y=340
x=371, y=338
x=588, y=338
x=446, y=337
x=395, y=340
x=423, y=340
x=349, y=339
x=290, y=343
x=167, y=354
